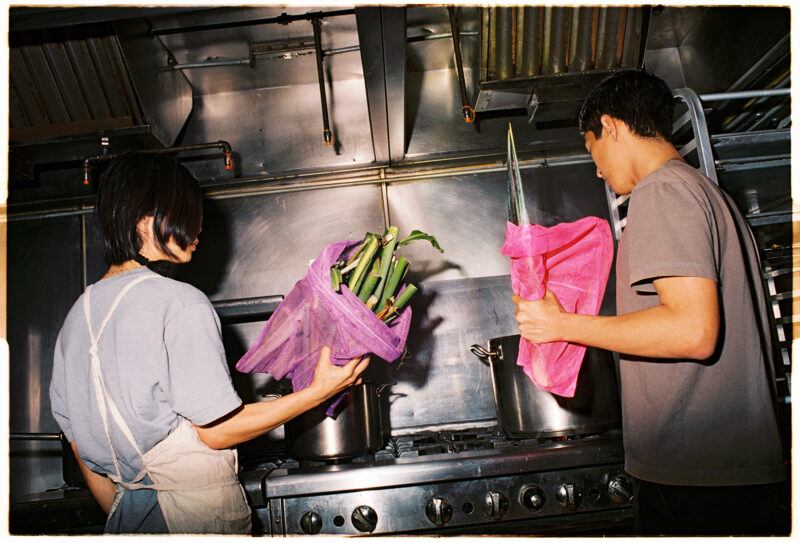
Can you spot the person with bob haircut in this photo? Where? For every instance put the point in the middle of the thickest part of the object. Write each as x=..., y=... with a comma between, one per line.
x=699, y=416
x=140, y=385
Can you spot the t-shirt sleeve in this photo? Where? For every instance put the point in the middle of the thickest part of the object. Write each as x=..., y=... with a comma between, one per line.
x=671, y=235
x=58, y=403
x=198, y=381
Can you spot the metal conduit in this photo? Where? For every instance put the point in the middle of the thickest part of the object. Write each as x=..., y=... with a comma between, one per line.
x=580, y=58
x=281, y=19
x=719, y=96
x=532, y=42
x=504, y=40
x=559, y=40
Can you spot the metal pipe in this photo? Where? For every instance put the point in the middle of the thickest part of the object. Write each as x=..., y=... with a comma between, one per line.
x=503, y=37
x=466, y=110
x=607, y=58
x=224, y=145
x=719, y=96
x=283, y=18
x=234, y=62
x=35, y=436
x=326, y=129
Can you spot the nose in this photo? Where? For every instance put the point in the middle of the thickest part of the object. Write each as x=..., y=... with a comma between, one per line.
x=599, y=174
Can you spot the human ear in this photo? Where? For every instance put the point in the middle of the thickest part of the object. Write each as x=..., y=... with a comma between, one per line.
x=145, y=227
x=609, y=125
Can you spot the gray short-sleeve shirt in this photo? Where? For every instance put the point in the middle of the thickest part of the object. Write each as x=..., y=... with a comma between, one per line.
x=162, y=358
x=689, y=422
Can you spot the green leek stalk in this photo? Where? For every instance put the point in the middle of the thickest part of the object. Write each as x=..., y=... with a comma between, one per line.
x=369, y=283
x=404, y=296
x=358, y=274
x=398, y=272
x=390, y=242
x=360, y=249
x=371, y=301
x=336, y=278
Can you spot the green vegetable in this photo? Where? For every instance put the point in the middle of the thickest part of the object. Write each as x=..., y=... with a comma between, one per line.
x=417, y=235
x=398, y=272
x=359, y=272
x=390, y=242
x=336, y=278
x=369, y=283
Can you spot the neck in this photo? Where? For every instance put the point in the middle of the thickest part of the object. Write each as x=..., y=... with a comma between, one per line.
x=650, y=155
x=115, y=269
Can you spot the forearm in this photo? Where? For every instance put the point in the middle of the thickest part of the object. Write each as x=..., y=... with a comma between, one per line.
x=656, y=332
x=101, y=487
x=255, y=419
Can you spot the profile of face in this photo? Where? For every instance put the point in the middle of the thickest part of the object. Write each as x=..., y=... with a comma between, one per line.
x=152, y=251
x=609, y=156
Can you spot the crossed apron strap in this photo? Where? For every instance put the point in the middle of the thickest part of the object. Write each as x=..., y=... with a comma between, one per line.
x=101, y=392
x=104, y=398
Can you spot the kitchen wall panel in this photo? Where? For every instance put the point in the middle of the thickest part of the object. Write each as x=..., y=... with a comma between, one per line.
x=44, y=280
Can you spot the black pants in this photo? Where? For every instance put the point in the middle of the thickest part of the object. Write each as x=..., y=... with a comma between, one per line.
x=705, y=510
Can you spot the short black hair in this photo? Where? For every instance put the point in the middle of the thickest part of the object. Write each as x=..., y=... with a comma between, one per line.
x=641, y=100
x=135, y=185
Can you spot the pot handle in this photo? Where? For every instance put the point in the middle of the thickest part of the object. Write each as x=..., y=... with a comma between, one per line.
x=382, y=387
x=487, y=355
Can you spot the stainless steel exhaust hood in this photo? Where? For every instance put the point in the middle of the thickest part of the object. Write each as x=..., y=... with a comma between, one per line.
x=546, y=59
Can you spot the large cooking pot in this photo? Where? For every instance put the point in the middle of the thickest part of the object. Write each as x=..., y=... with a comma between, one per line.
x=355, y=430
x=524, y=410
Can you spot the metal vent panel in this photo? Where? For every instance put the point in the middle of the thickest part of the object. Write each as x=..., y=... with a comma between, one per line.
x=526, y=42
x=71, y=87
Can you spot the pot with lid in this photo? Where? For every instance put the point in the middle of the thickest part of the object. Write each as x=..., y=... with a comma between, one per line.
x=356, y=429
x=524, y=410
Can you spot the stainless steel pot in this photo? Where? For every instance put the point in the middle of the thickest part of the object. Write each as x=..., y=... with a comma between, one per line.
x=356, y=430
x=524, y=410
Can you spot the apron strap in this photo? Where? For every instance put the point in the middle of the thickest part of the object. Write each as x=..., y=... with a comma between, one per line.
x=101, y=392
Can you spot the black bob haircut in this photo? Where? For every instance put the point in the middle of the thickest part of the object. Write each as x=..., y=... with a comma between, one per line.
x=136, y=185
x=638, y=98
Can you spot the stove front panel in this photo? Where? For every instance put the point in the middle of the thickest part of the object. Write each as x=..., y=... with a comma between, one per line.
x=474, y=502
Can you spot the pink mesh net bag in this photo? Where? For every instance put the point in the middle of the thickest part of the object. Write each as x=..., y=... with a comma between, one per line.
x=311, y=316
x=572, y=260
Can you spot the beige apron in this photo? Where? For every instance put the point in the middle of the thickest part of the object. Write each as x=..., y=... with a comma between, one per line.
x=198, y=490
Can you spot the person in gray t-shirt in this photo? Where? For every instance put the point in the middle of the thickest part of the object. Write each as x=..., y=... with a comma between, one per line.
x=700, y=429
x=140, y=383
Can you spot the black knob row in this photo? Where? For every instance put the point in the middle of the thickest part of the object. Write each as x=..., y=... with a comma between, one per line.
x=364, y=519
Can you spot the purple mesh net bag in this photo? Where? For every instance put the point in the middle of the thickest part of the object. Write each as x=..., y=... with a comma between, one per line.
x=311, y=316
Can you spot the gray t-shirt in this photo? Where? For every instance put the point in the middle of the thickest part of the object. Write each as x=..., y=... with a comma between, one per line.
x=162, y=358
x=689, y=422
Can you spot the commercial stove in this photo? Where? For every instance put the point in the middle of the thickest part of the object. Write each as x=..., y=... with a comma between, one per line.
x=448, y=482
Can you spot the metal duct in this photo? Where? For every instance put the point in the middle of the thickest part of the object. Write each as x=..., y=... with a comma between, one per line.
x=69, y=88
x=558, y=40
x=533, y=55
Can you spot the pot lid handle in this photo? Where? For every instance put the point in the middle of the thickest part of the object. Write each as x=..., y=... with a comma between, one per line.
x=484, y=354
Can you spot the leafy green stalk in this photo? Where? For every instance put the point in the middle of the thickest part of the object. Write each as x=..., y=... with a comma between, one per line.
x=390, y=242
x=398, y=272
x=358, y=274
x=404, y=296
x=369, y=283
x=336, y=278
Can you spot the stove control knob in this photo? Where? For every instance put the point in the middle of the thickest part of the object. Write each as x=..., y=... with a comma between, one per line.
x=439, y=511
x=364, y=519
x=532, y=498
x=311, y=523
x=495, y=504
x=620, y=489
x=568, y=495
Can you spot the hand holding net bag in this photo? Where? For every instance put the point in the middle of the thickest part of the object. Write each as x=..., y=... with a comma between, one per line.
x=313, y=315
